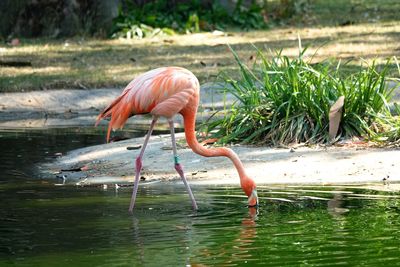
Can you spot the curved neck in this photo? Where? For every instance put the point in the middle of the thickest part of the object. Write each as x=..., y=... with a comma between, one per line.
x=189, y=117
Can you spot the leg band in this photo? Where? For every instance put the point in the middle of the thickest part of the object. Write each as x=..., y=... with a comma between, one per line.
x=176, y=159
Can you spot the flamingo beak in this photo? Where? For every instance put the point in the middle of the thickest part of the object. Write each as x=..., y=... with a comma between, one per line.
x=253, y=198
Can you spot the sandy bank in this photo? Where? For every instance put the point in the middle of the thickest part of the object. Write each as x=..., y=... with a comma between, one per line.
x=114, y=163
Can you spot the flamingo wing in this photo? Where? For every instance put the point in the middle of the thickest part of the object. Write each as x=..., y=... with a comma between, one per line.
x=171, y=105
x=161, y=92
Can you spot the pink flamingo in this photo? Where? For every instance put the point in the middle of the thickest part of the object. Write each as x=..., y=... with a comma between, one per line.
x=164, y=92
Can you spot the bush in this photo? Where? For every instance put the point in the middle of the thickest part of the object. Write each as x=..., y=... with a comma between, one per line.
x=282, y=101
x=168, y=17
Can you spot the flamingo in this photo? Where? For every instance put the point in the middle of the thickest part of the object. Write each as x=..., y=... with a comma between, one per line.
x=165, y=92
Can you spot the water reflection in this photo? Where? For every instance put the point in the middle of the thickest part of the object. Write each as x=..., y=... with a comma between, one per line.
x=335, y=206
x=239, y=250
x=248, y=233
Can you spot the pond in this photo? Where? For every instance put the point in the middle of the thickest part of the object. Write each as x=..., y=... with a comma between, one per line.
x=46, y=225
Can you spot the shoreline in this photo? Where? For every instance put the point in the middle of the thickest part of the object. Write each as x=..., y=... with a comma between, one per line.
x=113, y=163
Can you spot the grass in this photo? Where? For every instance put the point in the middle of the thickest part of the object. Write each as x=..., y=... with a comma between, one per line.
x=281, y=100
x=339, y=12
x=373, y=34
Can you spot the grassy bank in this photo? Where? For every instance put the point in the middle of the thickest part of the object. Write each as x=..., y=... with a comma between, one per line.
x=89, y=63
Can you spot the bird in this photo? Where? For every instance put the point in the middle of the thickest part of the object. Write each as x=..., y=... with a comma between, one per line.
x=166, y=92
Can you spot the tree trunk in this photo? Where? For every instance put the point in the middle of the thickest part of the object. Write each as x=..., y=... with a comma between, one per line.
x=55, y=18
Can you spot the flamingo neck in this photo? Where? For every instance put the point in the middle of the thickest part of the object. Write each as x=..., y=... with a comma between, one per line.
x=189, y=118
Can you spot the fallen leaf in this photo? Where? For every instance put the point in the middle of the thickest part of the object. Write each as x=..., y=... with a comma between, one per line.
x=134, y=147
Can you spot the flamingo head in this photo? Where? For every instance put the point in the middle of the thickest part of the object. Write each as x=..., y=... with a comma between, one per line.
x=249, y=188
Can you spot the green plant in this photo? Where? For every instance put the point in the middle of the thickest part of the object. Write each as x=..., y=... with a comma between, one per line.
x=291, y=8
x=167, y=17
x=138, y=22
x=387, y=130
x=248, y=17
x=282, y=101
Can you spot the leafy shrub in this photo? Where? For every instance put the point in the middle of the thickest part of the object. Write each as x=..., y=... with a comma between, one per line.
x=248, y=17
x=282, y=101
x=167, y=17
x=139, y=22
x=291, y=8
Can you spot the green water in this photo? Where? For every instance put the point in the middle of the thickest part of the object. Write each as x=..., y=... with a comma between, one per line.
x=46, y=225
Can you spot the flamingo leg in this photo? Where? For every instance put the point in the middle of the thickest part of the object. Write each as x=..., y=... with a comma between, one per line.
x=178, y=166
x=139, y=164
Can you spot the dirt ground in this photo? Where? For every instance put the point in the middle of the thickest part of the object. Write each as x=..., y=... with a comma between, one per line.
x=92, y=63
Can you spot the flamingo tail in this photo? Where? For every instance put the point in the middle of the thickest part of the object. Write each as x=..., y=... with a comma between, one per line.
x=119, y=111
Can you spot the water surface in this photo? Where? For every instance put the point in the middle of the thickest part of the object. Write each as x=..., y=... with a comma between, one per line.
x=46, y=225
